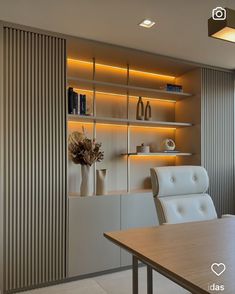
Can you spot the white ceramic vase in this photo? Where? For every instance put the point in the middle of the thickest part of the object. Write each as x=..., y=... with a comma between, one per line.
x=86, y=188
x=101, y=181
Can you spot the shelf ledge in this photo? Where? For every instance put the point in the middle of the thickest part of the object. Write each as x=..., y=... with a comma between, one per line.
x=123, y=121
x=158, y=154
x=133, y=90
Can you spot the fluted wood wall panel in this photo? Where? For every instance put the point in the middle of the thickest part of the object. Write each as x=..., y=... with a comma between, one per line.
x=35, y=158
x=218, y=136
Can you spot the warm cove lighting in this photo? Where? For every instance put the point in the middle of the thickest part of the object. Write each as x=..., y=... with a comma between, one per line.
x=122, y=95
x=71, y=60
x=223, y=29
x=71, y=122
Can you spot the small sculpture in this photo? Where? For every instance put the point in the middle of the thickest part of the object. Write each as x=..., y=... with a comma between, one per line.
x=148, y=111
x=168, y=145
x=140, y=109
x=143, y=148
x=101, y=181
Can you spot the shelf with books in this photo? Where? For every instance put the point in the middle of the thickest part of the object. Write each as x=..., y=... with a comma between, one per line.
x=122, y=89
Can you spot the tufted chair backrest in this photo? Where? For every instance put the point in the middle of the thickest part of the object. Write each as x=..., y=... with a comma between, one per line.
x=180, y=194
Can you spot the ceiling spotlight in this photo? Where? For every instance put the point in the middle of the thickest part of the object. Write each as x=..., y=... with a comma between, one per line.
x=147, y=23
x=222, y=24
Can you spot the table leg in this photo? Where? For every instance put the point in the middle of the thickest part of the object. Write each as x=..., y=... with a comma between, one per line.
x=134, y=275
x=149, y=280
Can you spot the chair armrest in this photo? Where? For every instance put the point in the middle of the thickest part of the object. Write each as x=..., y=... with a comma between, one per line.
x=228, y=216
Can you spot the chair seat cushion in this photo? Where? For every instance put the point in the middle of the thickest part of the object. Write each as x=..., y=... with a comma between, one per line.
x=187, y=208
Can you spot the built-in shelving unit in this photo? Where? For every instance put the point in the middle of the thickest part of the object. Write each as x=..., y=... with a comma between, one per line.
x=112, y=87
x=113, y=78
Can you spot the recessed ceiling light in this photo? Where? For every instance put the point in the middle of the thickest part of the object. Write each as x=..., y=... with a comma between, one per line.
x=147, y=23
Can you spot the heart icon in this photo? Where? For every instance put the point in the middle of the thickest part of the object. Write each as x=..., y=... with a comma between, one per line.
x=218, y=268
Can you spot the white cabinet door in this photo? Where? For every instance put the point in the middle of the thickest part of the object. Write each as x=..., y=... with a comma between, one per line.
x=137, y=210
x=89, y=218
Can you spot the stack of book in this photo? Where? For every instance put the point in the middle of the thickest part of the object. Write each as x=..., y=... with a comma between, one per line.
x=77, y=103
x=174, y=88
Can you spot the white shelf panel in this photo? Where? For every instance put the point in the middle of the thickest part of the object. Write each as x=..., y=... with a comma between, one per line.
x=123, y=121
x=158, y=154
x=122, y=89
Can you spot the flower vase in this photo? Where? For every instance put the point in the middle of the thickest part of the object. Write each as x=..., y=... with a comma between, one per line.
x=85, y=189
x=101, y=181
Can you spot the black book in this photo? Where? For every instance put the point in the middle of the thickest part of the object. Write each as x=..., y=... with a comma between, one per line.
x=75, y=103
x=82, y=104
x=70, y=100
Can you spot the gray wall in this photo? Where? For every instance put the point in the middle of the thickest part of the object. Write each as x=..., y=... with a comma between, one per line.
x=218, y=136
x=34, y=158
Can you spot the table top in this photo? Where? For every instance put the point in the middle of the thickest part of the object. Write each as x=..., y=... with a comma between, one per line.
x=185, y=252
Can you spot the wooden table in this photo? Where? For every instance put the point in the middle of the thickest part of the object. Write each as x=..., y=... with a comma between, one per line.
x=183, y=253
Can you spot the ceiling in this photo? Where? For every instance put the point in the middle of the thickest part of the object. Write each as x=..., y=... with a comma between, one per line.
x=180, y=30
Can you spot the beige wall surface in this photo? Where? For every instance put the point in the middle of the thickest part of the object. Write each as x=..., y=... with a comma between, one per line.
x=189, y=139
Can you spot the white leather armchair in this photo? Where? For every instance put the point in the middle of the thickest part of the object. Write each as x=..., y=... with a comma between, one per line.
x=180, y=194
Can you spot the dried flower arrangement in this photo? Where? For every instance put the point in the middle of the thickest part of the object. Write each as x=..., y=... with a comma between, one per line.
x=83, y=150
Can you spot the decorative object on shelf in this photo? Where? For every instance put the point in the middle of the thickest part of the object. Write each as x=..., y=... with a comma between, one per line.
x=140, y=109
x=101, y=181
x=89, y=111
x=148, y=112
x=82, y=104
x=174, y=88
x=73, y=106
x=84, y=151
x=85, y=188
x=75, y=103
x=168, y=145
x=143, y=148
x=70, y=100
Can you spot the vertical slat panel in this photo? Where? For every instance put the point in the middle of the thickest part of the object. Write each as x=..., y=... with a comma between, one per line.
x=21, y=134
x=218, y=136
x=6, y=168
x=10, y=104
x=35, y=158
x=2, y=155
x=44, y=184
x=60, y=165
x=63, y=142
x=56, y=216
x=18, y=254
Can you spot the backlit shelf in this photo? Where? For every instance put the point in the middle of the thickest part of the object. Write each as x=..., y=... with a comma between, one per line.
x=123, y=89
x=158, y=154
x=123, y=121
